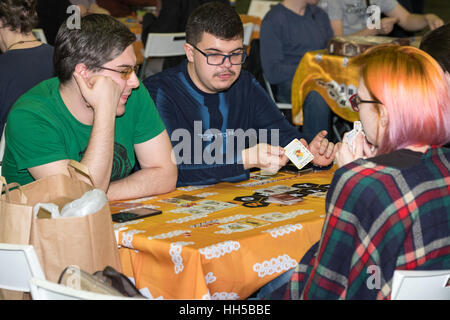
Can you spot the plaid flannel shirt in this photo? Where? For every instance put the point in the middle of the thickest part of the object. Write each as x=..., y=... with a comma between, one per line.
x=380, y=218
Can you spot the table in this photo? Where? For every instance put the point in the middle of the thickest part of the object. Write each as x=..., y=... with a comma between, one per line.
x=223, y=241
x=332, y=77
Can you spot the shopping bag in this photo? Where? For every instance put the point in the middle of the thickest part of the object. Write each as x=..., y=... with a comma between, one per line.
x=15, y=216
x=87, y=242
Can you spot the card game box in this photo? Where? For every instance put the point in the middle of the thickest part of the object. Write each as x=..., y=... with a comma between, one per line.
x=351, y=46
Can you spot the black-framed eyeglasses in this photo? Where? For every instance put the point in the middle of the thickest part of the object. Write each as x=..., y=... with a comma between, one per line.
x=217, y=59
x=126, y=73
x=355, y=101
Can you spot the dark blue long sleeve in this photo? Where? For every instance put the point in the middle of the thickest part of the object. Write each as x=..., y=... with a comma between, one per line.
x=286, y=36
x=209, y=131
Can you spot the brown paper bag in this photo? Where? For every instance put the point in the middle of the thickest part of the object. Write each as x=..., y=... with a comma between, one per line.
x=87, y=242
x=15, y=216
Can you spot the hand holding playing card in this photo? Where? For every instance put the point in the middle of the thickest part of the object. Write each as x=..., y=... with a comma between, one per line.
x=264, y=155
x=362, y=149
x=322, y=149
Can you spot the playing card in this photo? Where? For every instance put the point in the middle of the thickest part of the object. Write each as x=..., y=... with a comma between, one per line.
x=235, y=227
x=219, y=205
x=284, y=198
x=181, y=199
x=273, y=217
x=298, y=154
x=193, y=210
x=253, y=222
x=351, y=135
x=274, y=190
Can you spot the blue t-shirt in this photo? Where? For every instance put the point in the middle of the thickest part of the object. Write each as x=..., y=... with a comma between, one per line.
x=286, y=36
x=209, y=131
x=21, y=70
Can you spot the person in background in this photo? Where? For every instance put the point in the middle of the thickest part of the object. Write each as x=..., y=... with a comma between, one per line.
x=349, y=17
x=52, y=13
x=25, y=60
x=437, y=44
x=94, y=112
x=413, y=6
x=123, y=8
x=387, y=206
x=214, y=101
x=89, y=7
x=288, y=31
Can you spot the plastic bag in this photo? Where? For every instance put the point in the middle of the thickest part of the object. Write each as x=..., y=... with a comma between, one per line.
x=91, y=202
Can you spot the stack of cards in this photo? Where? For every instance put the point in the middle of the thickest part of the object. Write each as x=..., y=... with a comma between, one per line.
x=205, y=207
x=298, y=154
x=284, y=198
x=351, y=135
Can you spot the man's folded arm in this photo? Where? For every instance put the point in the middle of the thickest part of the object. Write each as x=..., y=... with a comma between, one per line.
x=158, y=172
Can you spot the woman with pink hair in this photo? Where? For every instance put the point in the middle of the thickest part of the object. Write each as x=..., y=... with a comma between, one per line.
x=388, y=206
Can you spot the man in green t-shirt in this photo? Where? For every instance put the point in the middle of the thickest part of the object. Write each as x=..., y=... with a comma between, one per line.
x=94, y=112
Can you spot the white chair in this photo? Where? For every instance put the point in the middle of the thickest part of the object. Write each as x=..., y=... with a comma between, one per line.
x=40, y=35
x=163, y=45
x=259, y=8
x=421, y=285
x=248, y=30
x=42, y=289
x=18, y=264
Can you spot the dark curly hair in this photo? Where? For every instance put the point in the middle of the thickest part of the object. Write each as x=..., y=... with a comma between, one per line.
x=100, y=39
x=18, y=15
x=216, y=18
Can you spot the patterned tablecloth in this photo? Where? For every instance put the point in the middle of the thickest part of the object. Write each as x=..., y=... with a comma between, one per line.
x=223, y=241
x=332, y=77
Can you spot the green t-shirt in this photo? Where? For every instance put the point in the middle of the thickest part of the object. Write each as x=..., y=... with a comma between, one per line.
x=40, y=129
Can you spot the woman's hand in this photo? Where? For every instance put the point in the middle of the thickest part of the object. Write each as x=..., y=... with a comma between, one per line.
x=362, y=150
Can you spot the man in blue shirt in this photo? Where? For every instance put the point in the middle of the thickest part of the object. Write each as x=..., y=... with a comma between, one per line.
x=221, y=122
x=288, y=31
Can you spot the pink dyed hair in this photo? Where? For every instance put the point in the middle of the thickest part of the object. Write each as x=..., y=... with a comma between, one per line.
x=412, y=87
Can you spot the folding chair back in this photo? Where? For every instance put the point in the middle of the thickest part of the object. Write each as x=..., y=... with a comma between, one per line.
x=163, y=45
x=421, y=285
x=18, y=264
x=46, y=290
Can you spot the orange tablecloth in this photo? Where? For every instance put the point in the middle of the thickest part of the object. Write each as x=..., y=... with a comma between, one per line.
x=329, y=75
x=189, y=252
x=136, y=28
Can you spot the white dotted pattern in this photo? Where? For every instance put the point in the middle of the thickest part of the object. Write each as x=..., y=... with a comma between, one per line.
x=274, y=265
x=220, y=249
x=127, y=238
x=281, y=231
x=175, y=253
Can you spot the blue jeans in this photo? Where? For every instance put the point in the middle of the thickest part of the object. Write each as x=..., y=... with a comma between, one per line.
x=316, y=112
x=316, y=115
x=273, y=285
